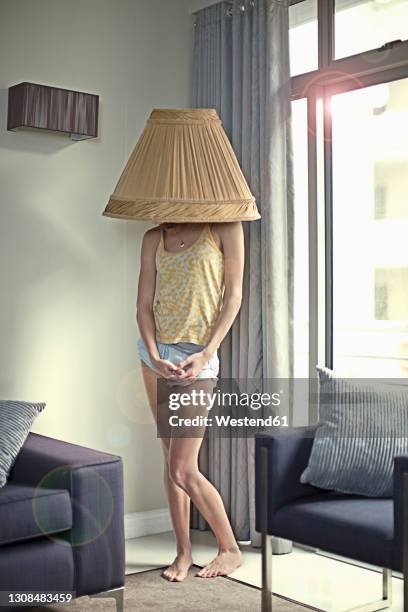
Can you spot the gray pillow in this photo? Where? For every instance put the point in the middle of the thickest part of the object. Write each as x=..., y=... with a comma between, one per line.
x=361, y=428
x=16, y=419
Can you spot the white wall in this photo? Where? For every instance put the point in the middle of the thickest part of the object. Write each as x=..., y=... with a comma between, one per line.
x=69, y=275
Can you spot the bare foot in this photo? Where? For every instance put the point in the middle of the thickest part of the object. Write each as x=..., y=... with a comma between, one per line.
x=224, y=563
x=178, y=570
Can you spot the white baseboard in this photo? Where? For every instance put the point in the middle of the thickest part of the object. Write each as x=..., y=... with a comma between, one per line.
x=139, y=524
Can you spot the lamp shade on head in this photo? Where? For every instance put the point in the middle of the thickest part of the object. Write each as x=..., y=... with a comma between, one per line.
x=183, y=170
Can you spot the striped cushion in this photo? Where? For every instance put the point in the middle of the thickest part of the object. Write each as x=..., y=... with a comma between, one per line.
x=361, y=429
x=16, y=419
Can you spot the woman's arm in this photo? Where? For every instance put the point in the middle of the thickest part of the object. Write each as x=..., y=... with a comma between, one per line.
x=232, y=241
x=145, y=297
x=145, y=291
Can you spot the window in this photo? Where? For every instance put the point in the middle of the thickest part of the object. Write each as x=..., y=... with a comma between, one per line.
x=350, y=137
x=361, y=25
x=391, y=297
x=303, y=36
x=370, y=257
x=380, y=202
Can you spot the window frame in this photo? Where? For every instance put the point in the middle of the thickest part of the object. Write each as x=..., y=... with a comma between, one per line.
x=333, y=76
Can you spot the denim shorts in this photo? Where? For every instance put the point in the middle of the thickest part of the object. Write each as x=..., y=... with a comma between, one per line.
x=179, y=351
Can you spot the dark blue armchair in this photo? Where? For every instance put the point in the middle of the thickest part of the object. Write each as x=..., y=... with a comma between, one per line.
x=369, y=530
x=62, y=521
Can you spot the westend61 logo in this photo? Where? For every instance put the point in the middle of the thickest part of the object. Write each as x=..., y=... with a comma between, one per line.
x=224, y=410
x=203, y=399
x=229, y=407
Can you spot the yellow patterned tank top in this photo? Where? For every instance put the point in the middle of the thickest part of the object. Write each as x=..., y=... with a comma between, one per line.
x=190, y=285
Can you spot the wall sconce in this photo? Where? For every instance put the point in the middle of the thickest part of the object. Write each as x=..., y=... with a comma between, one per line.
x=53, y=108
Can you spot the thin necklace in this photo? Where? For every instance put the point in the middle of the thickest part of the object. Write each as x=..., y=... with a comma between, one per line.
x=181, y=243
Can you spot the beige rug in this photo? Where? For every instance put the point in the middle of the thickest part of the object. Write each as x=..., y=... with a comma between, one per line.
x=149, y=591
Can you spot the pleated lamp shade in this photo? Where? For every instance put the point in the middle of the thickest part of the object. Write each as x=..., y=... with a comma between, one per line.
x=183, y=169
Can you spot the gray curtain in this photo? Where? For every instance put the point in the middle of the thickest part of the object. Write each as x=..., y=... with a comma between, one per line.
x=241, y=68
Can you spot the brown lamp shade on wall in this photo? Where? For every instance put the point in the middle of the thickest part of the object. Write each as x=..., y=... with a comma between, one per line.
x=183, y=169
x=53, y=108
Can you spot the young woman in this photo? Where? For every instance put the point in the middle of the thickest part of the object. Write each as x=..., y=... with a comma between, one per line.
x=189, y=294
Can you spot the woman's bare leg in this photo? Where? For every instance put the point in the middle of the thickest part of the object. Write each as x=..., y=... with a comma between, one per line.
x=184, y=471
x=179, y=501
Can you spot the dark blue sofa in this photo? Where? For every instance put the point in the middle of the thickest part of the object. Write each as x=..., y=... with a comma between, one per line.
x=366, y=529
x=62, y=521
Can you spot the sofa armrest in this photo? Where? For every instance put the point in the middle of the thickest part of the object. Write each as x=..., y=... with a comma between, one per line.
x=288, y=452
x=400, y=508
x=94, y=480
x=40, y=455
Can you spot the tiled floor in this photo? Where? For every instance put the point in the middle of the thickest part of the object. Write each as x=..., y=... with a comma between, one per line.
x=303, y=576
